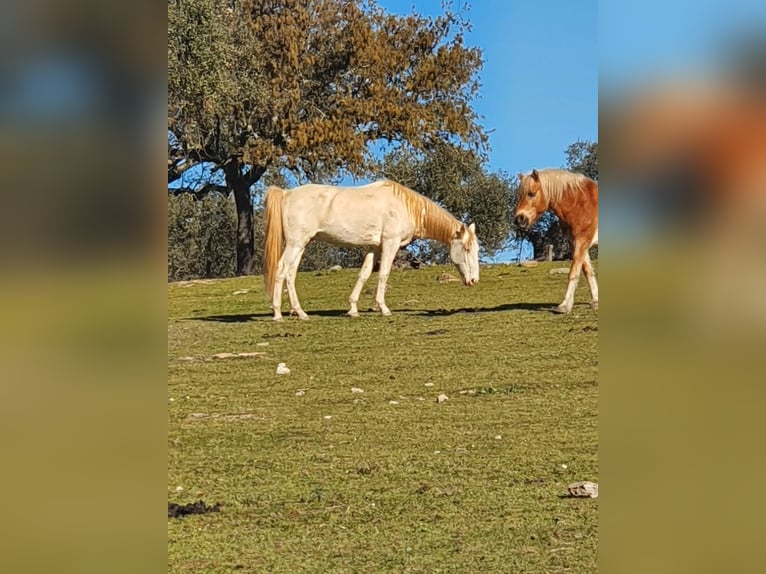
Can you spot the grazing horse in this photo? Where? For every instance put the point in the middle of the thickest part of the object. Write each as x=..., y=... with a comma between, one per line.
x=381, y=216
x=574, y=199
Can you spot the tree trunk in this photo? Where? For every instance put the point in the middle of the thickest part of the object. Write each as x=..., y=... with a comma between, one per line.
x=239, y=183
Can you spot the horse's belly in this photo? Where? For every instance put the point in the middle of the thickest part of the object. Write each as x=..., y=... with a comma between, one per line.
x=345, y=237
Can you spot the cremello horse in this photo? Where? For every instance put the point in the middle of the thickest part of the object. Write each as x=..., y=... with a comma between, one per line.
x=574, y=199
x=382, y=216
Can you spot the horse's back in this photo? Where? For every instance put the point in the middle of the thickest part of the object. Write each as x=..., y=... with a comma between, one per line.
x=344, y=215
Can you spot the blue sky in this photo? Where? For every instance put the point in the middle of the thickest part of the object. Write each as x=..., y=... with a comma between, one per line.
x=540, y=77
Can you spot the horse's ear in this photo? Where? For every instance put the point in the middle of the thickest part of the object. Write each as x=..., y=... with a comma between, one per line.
x=519, y=176
x=472, y=228
x=535, y=175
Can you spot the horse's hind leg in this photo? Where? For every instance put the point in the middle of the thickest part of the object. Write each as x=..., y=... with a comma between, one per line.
x=580, y=251
x=387, y=254
x=587, y=269
x=295, y=304
x=364, y=275
x=290, y=257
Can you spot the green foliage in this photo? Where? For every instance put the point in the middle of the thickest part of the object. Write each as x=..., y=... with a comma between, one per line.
x=378, y=487
x=201, y=237
x=458, y=180
x=582, y=156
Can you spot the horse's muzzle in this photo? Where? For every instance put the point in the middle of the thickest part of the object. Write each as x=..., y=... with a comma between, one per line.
x=521, y=221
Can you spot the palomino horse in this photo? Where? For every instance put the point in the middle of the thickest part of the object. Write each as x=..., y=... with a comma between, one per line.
x=381, y=216
x=574, y=199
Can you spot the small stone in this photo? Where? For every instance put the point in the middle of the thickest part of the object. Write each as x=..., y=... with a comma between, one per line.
x=336, y=268
x=171, y=400
x=241, y=291
x=584, y=489
x=356, y=390
x=300, y=393
x=282, y=369
x=428, y=385
x=264, y=344
x=327, y=417
x=393, y=402
x=564, y=466
x=498, y=437
x=179, y=489
x=223, y=355
x=442, y=398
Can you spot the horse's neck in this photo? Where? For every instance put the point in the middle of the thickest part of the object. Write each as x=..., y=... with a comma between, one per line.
x=437, y=224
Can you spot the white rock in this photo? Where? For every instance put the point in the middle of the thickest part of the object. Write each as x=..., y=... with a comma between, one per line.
x=300, y=393
x=428, y=385
x=264, y=344
x=327, y=417
x=179, y=488
x=171, y=400
x=241, y=292
x=356, y=390
x=564, y=466
x=442, y=398
x=584, y=489
x=282, y=369
x=393, y=402
x=498, y=437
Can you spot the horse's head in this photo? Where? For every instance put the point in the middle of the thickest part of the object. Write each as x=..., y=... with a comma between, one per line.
x=464, y=252
x=532, y=201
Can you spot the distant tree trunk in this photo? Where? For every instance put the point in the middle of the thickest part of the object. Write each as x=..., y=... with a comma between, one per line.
x=240, y=183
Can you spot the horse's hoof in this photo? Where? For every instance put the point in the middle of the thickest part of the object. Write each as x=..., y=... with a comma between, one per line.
x=278, y=319
x=386, y=313
x=303, y=317
x=563, y=309
x=594, y=305
x=353, y=314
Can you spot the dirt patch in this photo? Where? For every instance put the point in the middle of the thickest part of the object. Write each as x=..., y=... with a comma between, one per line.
x=199, y=507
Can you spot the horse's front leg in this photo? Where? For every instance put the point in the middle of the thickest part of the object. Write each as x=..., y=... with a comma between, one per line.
x=387, y=254
x=364, y=275
x=580, y=251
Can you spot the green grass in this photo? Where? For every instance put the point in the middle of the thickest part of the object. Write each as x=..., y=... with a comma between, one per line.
x=378, y=487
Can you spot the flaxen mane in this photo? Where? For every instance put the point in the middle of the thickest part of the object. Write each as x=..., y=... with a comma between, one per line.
x=558, y=182
x=431, y=221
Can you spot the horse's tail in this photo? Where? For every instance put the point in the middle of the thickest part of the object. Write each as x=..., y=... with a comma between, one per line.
x=275, y=237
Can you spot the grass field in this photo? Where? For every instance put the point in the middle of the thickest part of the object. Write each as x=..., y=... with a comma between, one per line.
x=313, y=477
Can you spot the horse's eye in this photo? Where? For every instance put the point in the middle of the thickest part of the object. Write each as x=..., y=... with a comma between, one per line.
x=530, y=195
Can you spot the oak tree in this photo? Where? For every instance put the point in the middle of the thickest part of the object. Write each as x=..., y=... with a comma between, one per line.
x=312, y=86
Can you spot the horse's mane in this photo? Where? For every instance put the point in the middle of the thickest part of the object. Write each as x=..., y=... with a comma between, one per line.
x=431, y=221
x=559, y=183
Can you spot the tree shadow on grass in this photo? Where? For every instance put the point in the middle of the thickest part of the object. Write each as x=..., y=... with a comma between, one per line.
x=498, y=308
x=247, y=317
